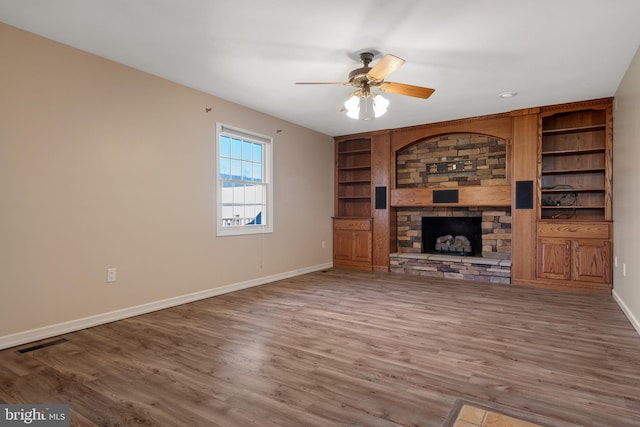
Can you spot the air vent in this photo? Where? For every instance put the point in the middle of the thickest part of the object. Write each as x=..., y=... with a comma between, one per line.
x=43, y=345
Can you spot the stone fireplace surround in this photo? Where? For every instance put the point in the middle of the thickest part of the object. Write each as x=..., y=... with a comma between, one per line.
x=413, y=165
x=494, y=264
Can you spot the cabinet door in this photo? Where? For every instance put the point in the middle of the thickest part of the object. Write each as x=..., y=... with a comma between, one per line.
x=342, y=246
x=362, y=245
x=554, y=259
x=592, y=260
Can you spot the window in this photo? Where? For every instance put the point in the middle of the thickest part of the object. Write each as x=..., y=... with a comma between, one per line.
x=243, y=182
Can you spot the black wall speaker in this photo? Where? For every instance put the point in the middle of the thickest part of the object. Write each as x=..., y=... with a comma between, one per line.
x=381, y=197
x=524, y=194
x=445, y=196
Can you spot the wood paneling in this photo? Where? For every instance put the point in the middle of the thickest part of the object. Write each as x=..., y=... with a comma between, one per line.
x=344, y=348
x=494, y=195
x=525, y=168
x=575, y=230
x=380, y=160
x=608, y=178
x=498, y=125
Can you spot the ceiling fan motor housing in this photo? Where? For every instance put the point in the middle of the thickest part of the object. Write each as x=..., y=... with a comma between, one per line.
x=359, y=75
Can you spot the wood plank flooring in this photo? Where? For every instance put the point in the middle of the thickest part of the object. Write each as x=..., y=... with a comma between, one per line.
x=343, y=348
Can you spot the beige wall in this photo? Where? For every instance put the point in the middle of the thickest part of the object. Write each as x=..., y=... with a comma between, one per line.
x=105, y=166
x=626, y=191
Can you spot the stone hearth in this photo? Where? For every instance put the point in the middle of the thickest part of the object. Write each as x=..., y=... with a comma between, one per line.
x=476, y=269
x=493, y=266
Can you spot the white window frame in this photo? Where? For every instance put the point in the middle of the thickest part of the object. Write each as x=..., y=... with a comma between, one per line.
x=267, y=176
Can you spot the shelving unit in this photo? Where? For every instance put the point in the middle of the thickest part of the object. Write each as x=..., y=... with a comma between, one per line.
x=574, y=227
x=574, y=166
x=353, y=178
x=352, y=230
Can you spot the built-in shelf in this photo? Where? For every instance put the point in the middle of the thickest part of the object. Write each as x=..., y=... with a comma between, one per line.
x=572, y=207
x=353, y=168
x=574, y=152
x=355, y=181
x=572, y=190
x=353, y=178
x=574, y=158
x=347, y=152
x=572, y=171
x=576, y=129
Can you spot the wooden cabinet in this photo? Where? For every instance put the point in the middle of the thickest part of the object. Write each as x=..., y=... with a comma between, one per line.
x=591, y=261
x=554, y=259
x=352, y=224
x=575, y=255
x=574, y=228
x=579, y=260
x=352, y=242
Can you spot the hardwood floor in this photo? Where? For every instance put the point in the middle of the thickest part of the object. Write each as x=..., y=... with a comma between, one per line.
x=343, y=348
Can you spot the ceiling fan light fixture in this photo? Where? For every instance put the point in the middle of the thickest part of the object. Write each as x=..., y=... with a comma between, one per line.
x=380, y=105
x=365, y=107
x=352, y=105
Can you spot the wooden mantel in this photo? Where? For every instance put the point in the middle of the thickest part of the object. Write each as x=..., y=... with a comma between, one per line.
x=493, y=195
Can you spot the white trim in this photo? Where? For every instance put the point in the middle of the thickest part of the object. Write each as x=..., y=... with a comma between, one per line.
x=634, y=322
x=32, y=335
x=242, y=133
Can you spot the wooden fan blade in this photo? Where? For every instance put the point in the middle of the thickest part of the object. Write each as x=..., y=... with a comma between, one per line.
x=384, y=67
x=409, y=90
x=322, y=83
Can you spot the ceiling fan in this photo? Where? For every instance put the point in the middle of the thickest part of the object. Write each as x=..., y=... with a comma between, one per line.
x=363, y=104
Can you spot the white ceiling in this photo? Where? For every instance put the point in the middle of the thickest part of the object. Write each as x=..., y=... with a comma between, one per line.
x=252, y=52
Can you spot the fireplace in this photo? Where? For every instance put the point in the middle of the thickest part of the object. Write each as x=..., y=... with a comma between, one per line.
x=488, y=228
x=452, y=235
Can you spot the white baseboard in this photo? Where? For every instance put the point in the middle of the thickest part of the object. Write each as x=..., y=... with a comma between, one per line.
x=627, y=312
x=20, y=338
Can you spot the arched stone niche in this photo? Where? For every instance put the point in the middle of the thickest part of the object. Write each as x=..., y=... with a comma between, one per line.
x=479, y=130
x=453, y=160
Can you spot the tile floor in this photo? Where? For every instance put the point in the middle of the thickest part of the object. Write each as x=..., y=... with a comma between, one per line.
x=471, y=416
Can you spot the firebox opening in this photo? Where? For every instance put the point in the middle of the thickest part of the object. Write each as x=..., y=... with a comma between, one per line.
x=450, y=235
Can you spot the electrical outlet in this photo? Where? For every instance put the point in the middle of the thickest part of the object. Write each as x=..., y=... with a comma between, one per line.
x=324, y=244
x=111, y=275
